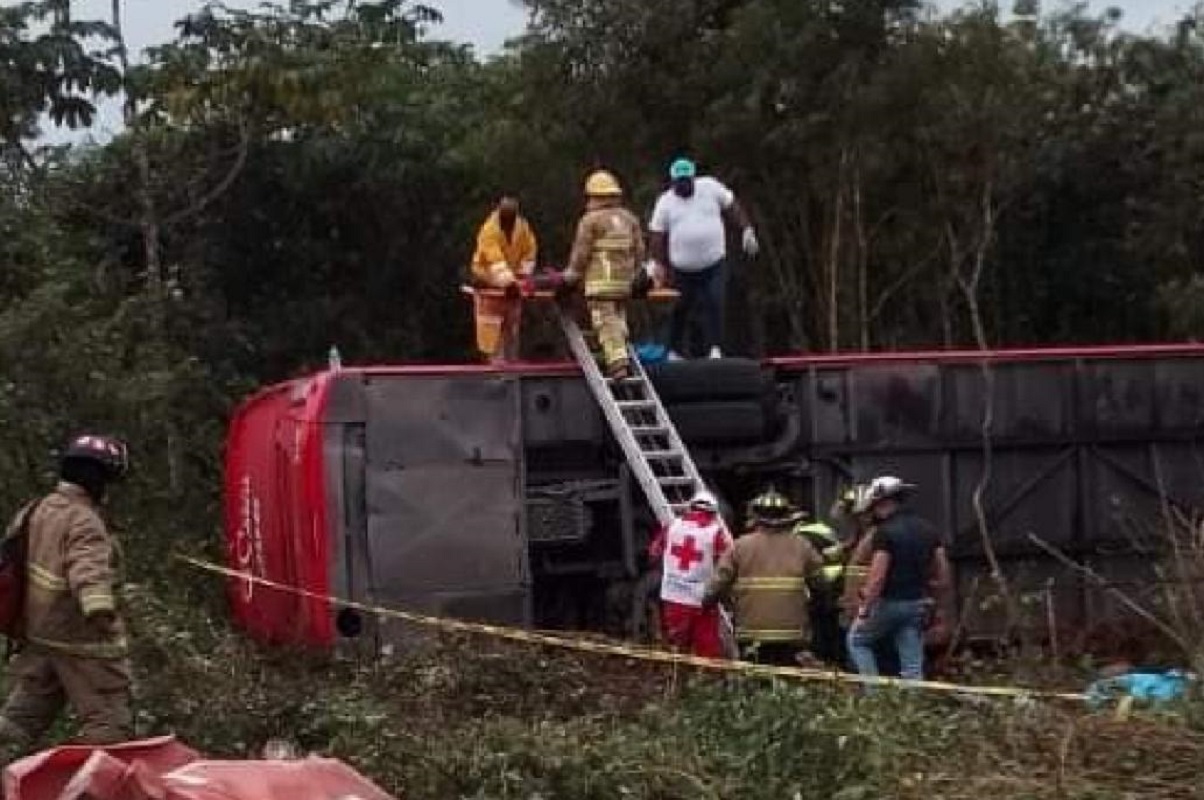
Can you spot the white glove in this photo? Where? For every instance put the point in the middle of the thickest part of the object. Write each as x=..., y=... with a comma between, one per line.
x=500, y=275
x=658, y=273
x=751, y=245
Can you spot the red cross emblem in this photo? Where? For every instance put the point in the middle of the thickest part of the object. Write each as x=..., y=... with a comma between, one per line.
x=686, y=554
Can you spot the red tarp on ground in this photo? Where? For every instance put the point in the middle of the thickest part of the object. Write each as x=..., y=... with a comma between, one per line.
x=164, y=769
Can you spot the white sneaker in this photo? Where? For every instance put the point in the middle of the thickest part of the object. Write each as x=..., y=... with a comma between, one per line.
x=673, y=356
x=715, y=353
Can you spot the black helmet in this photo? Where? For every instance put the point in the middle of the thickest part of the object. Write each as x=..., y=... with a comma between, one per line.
x=774, y=510
x=111, y=453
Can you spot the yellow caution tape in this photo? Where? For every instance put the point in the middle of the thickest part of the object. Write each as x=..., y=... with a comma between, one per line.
x=638, y=653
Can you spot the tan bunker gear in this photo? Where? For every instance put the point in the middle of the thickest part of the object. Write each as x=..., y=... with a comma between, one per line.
x=75, y=649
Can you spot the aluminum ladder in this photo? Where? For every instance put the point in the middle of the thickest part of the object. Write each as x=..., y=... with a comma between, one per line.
x=653, y=449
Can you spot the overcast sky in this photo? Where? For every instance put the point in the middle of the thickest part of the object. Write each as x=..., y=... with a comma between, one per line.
x=484, y=23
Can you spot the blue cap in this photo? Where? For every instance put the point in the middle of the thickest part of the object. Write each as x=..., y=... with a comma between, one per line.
x=682, y=168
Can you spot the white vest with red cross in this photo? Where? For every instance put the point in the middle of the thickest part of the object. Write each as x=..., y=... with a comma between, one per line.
x=689, y=560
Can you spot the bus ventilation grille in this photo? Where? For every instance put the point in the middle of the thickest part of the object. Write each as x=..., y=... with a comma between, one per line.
x=557, y=519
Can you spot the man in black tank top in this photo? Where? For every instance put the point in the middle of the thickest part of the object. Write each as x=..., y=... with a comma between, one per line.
x=908, y=565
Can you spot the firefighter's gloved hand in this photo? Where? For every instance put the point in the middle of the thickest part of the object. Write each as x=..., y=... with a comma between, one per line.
x=528, y=286
x=641, y=285
x=751, y=245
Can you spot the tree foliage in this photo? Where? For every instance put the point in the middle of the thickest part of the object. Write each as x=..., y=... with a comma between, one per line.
x=311, y=173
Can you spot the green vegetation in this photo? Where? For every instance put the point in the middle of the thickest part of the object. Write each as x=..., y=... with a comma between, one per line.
x=312, y=174
x=475, y=719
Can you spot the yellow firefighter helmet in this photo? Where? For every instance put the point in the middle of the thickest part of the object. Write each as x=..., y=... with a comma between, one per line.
x=602, y=184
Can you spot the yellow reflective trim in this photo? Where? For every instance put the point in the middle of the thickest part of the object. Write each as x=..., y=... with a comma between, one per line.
x=45, y=579
x=832, y=572
x=95, y=598
x=117, y=648
x=771, y=584
x=770, y=635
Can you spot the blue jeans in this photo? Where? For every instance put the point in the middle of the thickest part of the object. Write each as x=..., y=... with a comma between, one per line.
x=902, y=620
x=706, y=290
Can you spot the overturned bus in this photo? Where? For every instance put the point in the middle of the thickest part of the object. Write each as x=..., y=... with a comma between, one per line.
x=498, y=494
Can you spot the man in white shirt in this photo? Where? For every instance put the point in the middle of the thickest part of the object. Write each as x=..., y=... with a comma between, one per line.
x=689, y=239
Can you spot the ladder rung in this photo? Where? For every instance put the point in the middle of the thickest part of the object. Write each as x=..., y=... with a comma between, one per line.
x=662, y=455
x=649, y=430
x=675, y=481
x=637, y=405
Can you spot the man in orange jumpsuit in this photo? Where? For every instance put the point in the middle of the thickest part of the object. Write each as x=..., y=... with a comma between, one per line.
x=504, y=257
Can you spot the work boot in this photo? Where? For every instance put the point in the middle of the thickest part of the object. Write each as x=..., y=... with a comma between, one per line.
x=715, y=353
x=673, y=356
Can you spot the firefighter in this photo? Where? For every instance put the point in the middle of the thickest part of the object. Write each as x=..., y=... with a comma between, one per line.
x=826, y=638
x=607, y=250
x=766, y=573
x=73, y=649
x=686, y=552
x=852, y=513
x=505, y=255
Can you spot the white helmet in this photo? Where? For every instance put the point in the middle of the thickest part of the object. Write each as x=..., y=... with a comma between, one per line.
x=704, y=501
x=886, y=486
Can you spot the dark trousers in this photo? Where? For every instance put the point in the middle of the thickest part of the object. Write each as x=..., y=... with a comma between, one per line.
x=827, y=637
x=704, y=290
x=774, y=654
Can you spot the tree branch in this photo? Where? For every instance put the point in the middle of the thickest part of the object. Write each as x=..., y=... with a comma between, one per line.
x=1100, y=581
x=240, y=161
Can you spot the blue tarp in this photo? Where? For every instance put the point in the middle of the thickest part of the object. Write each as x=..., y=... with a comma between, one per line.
x=651, y=353
x=1152, y=687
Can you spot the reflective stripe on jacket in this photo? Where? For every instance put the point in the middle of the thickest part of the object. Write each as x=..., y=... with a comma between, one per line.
x=766, y=574
x=607, y=249
x=71, y=575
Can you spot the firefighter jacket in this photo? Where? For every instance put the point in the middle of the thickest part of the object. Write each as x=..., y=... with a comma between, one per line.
x=70, y=576
x=500, y=259
x=823, y=540
x=856, y=571
x=765, y=573
x=607, y=250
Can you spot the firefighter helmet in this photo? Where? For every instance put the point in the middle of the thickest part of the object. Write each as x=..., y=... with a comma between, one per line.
x=856, y=499
x=602, y=184
x=111, y=453
x=774, y=509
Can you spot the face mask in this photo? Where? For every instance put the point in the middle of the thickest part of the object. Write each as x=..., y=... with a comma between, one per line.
x=684, y=187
